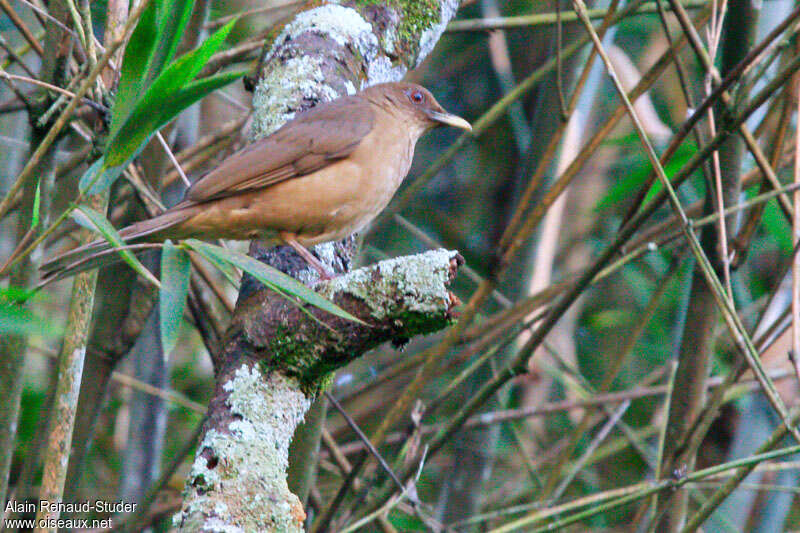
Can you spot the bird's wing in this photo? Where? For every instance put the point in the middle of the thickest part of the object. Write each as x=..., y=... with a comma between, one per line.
x=311, y=141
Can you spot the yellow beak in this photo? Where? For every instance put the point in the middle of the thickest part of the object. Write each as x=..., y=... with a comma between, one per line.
x=450, y=120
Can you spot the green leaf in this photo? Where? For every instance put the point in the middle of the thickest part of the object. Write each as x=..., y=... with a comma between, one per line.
x=776, y=226
x=272, y=278
x=90, y=178
x=16, y=319
x=133, y=73
x=155, y=113
x=228, y=270
x=98, y=177
x=628, y=186
x=187, y=67
x=175, y=271
x=151, y=47
x=168, y=95
x=96, y=221
x=37, y=202
x=172, y=18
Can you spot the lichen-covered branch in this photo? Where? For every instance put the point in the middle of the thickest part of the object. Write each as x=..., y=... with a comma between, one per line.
x=276, y=359
x=337, y=49
x=275, y=355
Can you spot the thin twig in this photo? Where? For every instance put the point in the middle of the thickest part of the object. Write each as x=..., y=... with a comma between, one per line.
x=795, y=353
x=54, y=88
x=719, y=92
x=510, y=415
x=13, y=56
x=172, y=159
x=599, y=438
x=626, y=495
x=129, y=381
x=73, y=350
x=45, y=15
x=432, y=243
x=743, y=342
x=548, y=19
x=273, y=6
x=723, y=492
x=519, y=365
x=22, y=27
x=559, y=66
x=352, y=423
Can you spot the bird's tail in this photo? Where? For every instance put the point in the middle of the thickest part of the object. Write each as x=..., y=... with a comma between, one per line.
x=100, y=253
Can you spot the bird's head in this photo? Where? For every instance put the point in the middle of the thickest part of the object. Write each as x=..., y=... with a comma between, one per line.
x=416, y=104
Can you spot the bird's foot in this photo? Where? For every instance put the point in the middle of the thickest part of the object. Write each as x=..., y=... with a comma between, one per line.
x=302, y=251
x=324, y=274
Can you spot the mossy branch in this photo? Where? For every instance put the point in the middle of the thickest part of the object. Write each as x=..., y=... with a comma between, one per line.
x=275, y=357
x=275, y=361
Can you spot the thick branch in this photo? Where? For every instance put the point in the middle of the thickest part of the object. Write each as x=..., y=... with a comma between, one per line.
x=323, y=53
x=274, y=362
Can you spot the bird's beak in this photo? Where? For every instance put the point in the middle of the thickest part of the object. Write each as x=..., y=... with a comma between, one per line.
x=450, y=120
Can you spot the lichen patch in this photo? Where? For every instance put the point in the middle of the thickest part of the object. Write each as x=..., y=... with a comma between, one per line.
x=282, y=90
x=342, y=24
x=417, y=282
x=252, y=457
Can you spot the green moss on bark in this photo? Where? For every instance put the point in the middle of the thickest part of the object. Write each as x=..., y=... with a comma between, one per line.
x=415, y=18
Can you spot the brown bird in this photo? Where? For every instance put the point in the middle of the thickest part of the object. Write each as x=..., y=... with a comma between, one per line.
x=322, y=176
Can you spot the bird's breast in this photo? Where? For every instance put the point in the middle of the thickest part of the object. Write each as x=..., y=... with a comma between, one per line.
x=359, y=187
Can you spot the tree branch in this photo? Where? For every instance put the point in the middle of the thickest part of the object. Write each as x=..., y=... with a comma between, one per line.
x=274, y=362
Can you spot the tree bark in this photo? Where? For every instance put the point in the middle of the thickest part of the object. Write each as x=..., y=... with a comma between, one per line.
x=275, y=361
x=323, y=53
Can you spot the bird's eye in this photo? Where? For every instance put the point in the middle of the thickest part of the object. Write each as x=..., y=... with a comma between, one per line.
x=417, y=97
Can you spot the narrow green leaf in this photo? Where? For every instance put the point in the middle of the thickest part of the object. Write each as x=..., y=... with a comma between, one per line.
x=153, y=114
x=172, y=18
x=97, y=222
x=184, y=69
x=175, y=272
x=169, y=94
x=196, y=90
x=98, y=177
x=37, y=201
x=187, y=67
x=135, y=64
x=228, y=270
x=150, y=49
x=90, y=177
x=272, y=278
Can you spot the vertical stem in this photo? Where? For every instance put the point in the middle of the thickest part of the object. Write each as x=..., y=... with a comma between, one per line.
x=686, y=402
x=304, y=450
x=73, y=351
x=796, y=258
x=697, y=343
x=70, y=370
x=12, y=347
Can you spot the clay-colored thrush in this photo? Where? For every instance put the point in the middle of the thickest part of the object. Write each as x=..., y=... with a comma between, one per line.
x=322, y=176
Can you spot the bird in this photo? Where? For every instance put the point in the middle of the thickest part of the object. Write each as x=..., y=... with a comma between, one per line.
x=320, y=177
